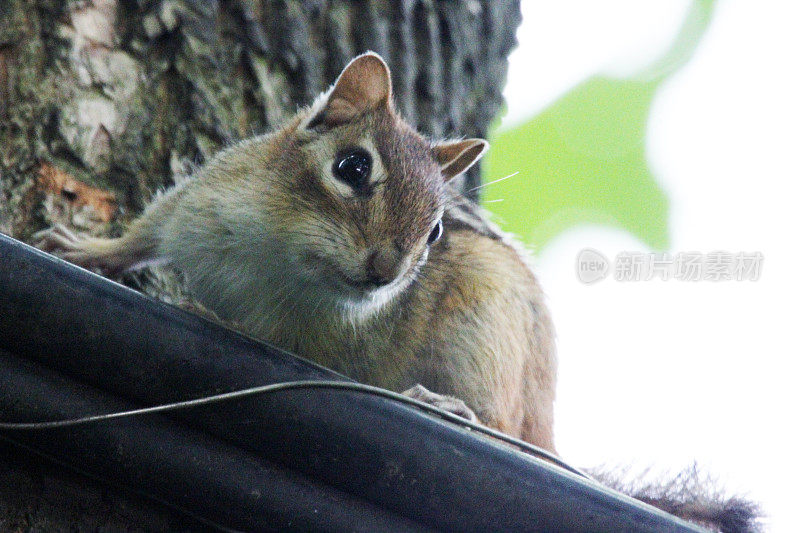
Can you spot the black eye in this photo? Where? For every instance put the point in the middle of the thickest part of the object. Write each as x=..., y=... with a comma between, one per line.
x=353, y=168
x=435, y=233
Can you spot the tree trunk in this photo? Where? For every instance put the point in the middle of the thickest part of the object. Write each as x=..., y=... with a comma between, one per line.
x=104, y=102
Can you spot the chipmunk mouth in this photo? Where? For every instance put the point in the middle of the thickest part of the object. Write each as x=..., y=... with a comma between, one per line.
x=365, y=285
x=344, y=285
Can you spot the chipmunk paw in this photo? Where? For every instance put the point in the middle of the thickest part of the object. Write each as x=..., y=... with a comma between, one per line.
x=61, y=242
x=446, y=403
x=56, y=240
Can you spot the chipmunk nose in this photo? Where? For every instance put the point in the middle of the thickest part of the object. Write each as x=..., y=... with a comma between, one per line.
x=383, y=265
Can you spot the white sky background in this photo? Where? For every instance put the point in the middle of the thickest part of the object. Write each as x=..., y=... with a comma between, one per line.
x=659, y=374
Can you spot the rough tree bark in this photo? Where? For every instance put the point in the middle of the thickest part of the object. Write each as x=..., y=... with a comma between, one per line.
x=104, y=102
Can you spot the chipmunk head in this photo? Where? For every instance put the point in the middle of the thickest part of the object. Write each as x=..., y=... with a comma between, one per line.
x=366, y=191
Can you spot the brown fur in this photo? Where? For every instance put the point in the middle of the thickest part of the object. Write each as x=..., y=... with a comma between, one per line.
x=271, y=242
x=268, y=239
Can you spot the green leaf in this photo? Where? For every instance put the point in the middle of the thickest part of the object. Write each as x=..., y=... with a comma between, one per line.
x=582, y=160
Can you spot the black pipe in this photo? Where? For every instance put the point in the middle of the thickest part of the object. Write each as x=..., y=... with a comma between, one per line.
x=391, y=455
x=191, y=471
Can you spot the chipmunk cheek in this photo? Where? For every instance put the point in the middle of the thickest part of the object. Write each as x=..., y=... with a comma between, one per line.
x=419, y=261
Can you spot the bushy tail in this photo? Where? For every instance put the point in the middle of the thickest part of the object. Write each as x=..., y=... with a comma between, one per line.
x=690, y=495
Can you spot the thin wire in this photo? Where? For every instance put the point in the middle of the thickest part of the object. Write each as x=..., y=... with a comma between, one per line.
x=293, y=385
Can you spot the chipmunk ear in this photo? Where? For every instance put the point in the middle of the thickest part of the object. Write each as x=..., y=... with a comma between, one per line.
x=364, y=85
x=455, y=157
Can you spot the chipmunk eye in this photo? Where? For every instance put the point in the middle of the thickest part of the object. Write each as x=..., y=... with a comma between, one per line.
x=353, y=168
x=436, y=232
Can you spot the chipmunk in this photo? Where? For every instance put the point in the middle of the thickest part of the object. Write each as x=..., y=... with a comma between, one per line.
x=340, y=238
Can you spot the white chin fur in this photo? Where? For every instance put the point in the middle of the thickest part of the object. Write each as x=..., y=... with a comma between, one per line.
x=353, y=305
x=357, y=307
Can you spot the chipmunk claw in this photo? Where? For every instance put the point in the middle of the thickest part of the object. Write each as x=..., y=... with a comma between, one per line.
x=447, y=403
x=61, y=242
x=57, y=240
